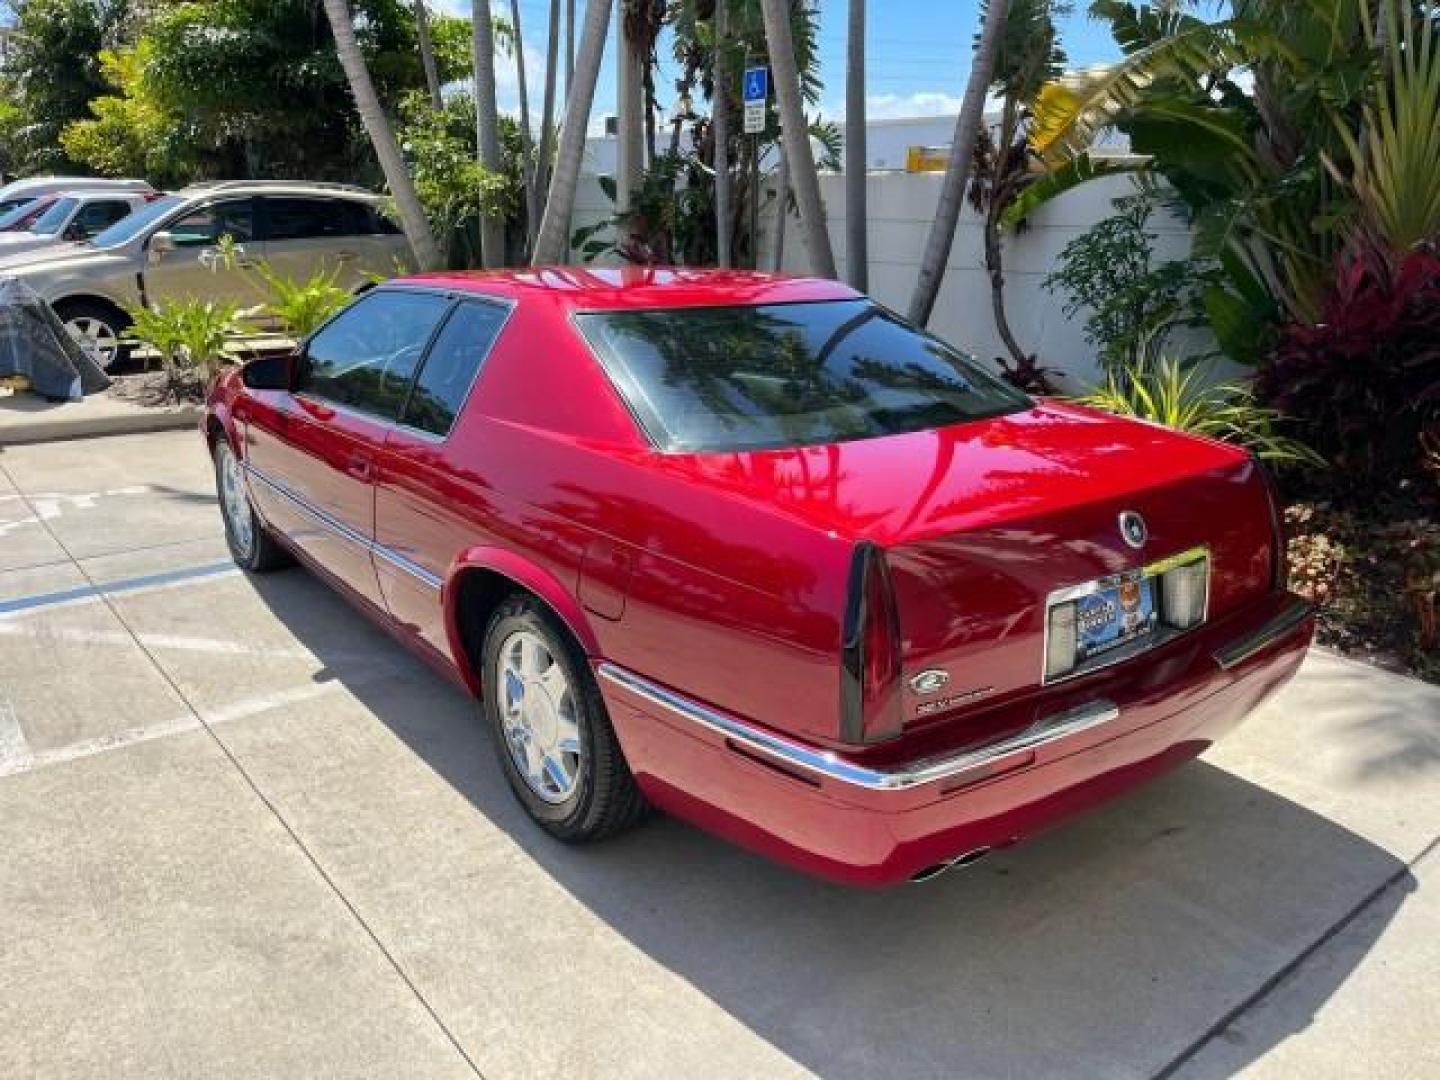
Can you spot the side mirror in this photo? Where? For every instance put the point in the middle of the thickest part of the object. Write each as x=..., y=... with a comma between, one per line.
x=269, y=373
x=161, y=243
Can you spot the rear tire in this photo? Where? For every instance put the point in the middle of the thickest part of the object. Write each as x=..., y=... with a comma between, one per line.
x=552, y=733
x=251, y=545
x=96, y=327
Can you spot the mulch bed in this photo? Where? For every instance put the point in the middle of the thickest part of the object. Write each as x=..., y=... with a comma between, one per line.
x=1373, y=571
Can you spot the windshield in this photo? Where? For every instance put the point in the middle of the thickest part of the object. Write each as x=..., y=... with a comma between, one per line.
x=127, y=228
x=18, y=212
x=53, y=220
x=784, y=375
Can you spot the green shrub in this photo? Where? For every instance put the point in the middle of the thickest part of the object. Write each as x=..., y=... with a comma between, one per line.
x=188, y=335
x=1184, y=397
x=301, y=306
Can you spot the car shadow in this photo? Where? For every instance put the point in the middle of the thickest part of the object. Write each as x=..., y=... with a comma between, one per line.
x=1111, y=946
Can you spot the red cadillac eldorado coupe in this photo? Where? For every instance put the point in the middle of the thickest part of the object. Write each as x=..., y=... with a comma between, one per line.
x=755, y=551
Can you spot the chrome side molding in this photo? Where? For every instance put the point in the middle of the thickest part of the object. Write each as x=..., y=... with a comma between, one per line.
x=827, y=766
x=1282, y=623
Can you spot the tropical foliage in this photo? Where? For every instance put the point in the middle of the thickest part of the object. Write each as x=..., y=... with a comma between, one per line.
x=188, y=336
x=1188, y=397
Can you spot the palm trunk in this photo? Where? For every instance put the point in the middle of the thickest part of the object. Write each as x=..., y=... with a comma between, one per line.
x=720, y=131
x=796, y=136
x=541, y=180
x=630, y=141
x=995, y=267
x=427, y=54
x=957, y=171
x=782, y=214
x=487, y=125
x=555, y=225
x=377, y=126
x=532, y=209
x=857, y=258
x=569, y=46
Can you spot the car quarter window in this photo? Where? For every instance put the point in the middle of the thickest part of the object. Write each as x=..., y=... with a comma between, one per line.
x=365, y=358
x=451, y=366
x=208, y=224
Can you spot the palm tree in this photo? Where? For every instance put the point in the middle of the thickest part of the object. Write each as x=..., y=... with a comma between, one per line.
x=796, y=135
x=554, y=226
x=540, y=182
x=629, y=97
x=962, y=150
x=427, y=54
x=487, y=124
x=382, y=137
x=720, y=126
x=857, y=269
x=532, y=210
x=1029, y=56
x=569, y=46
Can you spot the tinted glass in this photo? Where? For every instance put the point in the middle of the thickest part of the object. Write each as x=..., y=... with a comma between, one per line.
x=451, y=366
x=53, y=220
x=309, y=219
x=126, y=229
x=204, y=227
x=7, y=205
x=366, y=356
x=96, y=216
x=787, y=375
x=17, y=211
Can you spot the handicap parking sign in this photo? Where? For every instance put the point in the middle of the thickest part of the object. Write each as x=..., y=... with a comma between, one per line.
x=757, y=84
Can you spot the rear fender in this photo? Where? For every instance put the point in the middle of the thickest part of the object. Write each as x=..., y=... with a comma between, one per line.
x=526, y=575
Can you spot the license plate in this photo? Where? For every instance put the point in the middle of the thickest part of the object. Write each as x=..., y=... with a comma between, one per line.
x=1115, y=616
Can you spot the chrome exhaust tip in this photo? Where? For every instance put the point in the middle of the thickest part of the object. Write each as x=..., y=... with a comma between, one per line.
x=930, y=873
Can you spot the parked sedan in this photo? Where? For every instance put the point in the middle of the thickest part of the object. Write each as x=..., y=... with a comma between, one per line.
x=755, y=551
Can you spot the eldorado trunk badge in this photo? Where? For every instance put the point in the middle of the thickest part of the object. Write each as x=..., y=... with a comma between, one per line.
x=928, y=682
x=1133, y=529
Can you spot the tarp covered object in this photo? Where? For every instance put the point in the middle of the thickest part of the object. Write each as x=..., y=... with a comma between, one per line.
x=34, y=343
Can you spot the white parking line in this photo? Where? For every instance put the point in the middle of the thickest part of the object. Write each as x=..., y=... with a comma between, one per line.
x=15, y=752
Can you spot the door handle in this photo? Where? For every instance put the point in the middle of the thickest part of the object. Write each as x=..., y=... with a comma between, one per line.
x=358, y=466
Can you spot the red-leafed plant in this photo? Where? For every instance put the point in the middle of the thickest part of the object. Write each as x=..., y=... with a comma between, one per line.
x=1364, y=383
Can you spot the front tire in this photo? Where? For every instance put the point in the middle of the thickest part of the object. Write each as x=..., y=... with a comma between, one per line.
x=251, y=546
x=96, y=328
x=552, y=733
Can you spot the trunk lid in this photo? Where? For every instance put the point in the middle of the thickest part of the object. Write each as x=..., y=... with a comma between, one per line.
x=981, y=522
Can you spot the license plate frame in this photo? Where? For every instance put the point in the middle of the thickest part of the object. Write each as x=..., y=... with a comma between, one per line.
x=1121, y=611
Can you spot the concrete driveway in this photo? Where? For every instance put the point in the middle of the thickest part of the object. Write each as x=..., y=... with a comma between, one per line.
x=242, y=833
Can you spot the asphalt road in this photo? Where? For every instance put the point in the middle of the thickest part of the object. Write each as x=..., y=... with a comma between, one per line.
x=242, y=833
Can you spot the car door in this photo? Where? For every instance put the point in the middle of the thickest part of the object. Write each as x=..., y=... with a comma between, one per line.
x=420, y=487
x=195, y=269
x=312, y=452
x=309, y=236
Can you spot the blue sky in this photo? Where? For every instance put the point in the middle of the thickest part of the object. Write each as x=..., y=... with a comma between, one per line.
x=918, y=54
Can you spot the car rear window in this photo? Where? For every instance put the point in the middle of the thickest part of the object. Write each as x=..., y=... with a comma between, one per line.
x=782, y=375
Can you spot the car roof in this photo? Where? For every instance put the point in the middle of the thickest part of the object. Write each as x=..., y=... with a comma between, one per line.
x=44, y=185
x=607, y=288
x=301, y=188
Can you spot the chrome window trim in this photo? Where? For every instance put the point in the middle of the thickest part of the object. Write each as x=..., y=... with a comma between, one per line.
x=827, y=766
x=345, y=532
x=1090, y=588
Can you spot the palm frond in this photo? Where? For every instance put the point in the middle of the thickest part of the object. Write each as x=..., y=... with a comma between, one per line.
x=1080, y=169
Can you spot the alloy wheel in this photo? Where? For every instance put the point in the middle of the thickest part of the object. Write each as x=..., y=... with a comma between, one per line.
x=97, y=337
x=538, y=709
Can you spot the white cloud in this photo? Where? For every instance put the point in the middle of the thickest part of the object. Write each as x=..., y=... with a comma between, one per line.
x=920, y=103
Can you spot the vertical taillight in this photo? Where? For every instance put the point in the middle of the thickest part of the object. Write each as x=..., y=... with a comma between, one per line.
x=1279, y=554
x=870, y=700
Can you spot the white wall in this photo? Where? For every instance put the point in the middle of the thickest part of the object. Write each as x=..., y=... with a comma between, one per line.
x=901, y=207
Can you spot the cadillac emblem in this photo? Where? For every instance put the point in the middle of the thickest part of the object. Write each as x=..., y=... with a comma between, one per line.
x=1133, y=529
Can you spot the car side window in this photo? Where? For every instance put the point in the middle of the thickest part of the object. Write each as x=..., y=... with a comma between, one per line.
x=365, y=358
x=308, y=219
x=451, y=366
x=95, y=216
x=205, y=227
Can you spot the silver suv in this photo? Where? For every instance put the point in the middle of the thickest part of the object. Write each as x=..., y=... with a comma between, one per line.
x=171, y=249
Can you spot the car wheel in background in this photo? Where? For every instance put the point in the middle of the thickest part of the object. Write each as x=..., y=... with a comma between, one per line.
x=251, y=546
x=97, y=328
x=552, y=733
